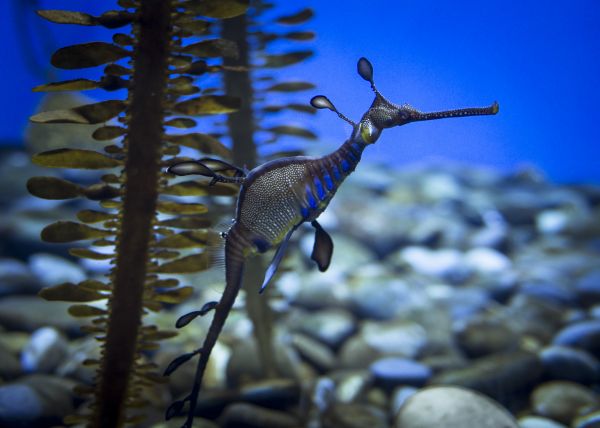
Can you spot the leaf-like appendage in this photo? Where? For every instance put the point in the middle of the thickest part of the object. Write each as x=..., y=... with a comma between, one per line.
x=86, y=311
x=69, y=292
x=174, y=295
x=187, y=222
x=174, y=409
x=67, y=17
x=209, y=104
x=92, y=216
x=221, y=9
x=181, y=122
x=188, y=264
x=108, y=133
x=86, y=253
x=301, y=108
x=74, y=158
x=70, y=231
x=291, y=86
x=283, y=60
x=296, y=18
x=184, y=320
x=173, y=365
x=86, y=114
x=53, y=188
x=189, y=239
x=68, y=85
x=169, y=207
x=201, y=142
x=293, y=130
x=300, y=35
x=101, y=191
x=213, y=48
x=87, y=55
x=365, y=69
x=194, y=188
x=115, y=18
x=163, y=283
x=191, y=26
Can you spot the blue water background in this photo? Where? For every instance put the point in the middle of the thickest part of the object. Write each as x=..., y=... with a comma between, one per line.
x=540, y=60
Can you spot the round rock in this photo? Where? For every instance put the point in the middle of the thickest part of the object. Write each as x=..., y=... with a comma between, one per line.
x=585, y=335
x=564, y=363
x=452, y=407
x=392, y=372
x=561, y=400
x=539, y=422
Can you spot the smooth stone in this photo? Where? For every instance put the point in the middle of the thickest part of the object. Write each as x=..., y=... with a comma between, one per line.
x=531, y=316
x=36, y=401
x=404, y=338
x=450, y=406
x=351, y=385
x=354, y=415
x=274, y=393
x=330, y=326
x=552, y=221
x=480, y=337
x=497, y=376
x=16, y=278
x=550, y=292
x=251, y=416
x=589, y=420
x=317, y=354
x=379, y=298
x=28, y=313
x=446, y=263
x=392, y=372
x=538, y=422
x=356, y=353
x=588, y=288
x=46, y=349
x=584, y=335
x=52, y=270
x=399, y=397
x=486, y=261
x=564, y=363
x=465, y=303
x=562, y=400
x=10, y=367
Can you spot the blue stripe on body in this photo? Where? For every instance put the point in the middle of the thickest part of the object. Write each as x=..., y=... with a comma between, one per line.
x=328, y=182
x=304, y=212
x=312, y=202
x=336, y=173
x=345, y=165
x=319, y=188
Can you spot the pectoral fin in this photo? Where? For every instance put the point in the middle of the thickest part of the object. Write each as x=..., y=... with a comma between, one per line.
x=276, y=260
x=323, y=247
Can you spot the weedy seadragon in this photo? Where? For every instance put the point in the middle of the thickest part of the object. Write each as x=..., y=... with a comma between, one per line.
x=277, y=197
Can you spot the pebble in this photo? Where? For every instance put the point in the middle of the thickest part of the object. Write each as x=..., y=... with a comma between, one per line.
x=450, y=406
x=16, y=278
x=251, y=416
x=446, y=263
x=480, y=337
x=404, y=338
x=379, y=298
x=588, y=288
x=330, y=326
x=562, y=400
x=584, y=335
x=10, y=367
x=354, y=415
x=28, y=313
x=52, y=270
x=588, y=420
x=564, y=363
x=356, y=353
x=538, y=422
x=391, y=372
x=46, y=349
x=317, y=354
x=486, y=261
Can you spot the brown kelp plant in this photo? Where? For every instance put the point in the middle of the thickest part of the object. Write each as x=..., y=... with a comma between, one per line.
x=170, y=48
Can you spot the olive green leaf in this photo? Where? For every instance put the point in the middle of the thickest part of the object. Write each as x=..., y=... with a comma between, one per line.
x=293, y=130
x=221, y=9
x=173, y=296
x=187, y=222
x=67, y=17
x=92, y=216
x=69, y=231
x=300, y=35
x=86, y=114
x=195, y=188
x=283, y=60
x=74, y=158
x=53, y=188
x=86, y=253
x=296, y=18
x=192, y=26
x=188, y=264
x=202, y=142
x=87, y=55
x=213, y=48
x=86, y=311
x=181, y=122
x=108, y=133
x=188, y=239
x=291, y=87
x=170, y=207
x=68, y=85
x=209, y=104
x=69, y=292
x=302, y=108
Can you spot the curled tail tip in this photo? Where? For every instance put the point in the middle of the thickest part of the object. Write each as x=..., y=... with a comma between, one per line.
x=495, y=107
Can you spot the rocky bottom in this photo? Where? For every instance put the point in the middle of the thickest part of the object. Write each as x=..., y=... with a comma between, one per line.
x=457, y=297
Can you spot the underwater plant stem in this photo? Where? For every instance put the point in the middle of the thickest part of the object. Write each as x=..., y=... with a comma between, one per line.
x=241, y=126
x=140, y=193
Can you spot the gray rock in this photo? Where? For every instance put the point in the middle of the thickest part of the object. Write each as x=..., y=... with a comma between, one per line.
x=252, y=416
x=379, y=298
x=584, y=335
x=404, y=338
x=399, y=397
x=353, y=415
x=564, y=363
x=46, y=349
x=10, y=367
x=16, y=278
x=538, y=422
x=486, y=261
x=356, y=353
x=452, y=407
x=480, y=337
x=550, y=292
x=351, y=385
x=589, y=420
x=392, y=372
x=497, y=376
x=317, y=354
x=588, y=288
x=35, y=401
x=52, y=270
x=330, y=326
x=446, y=263
x=561, y=400
x=28, y=313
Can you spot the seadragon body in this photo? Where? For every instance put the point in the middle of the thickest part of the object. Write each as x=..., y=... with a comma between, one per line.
x=278, y=196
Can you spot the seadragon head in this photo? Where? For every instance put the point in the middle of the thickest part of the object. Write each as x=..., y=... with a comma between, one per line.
x=384, y=114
